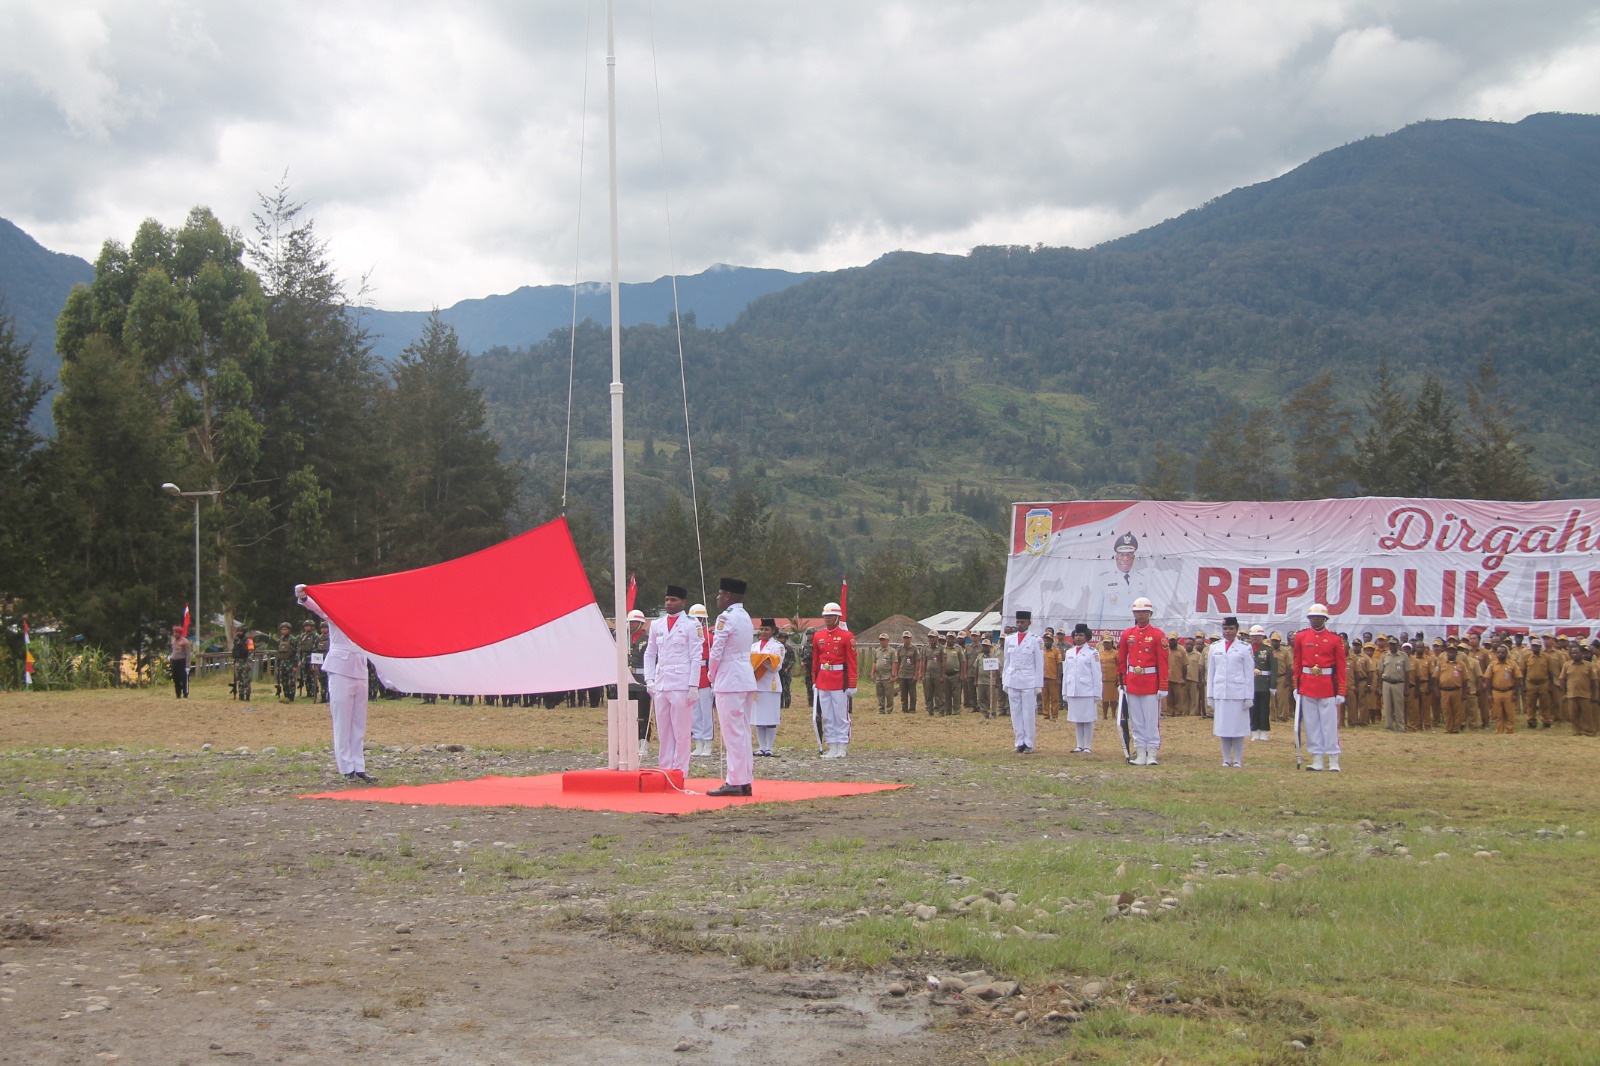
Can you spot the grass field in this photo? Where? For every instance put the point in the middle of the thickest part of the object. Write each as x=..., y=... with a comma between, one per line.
x=1436, y=902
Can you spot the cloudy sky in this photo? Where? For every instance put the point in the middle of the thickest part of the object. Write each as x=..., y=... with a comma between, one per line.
x=446, y=149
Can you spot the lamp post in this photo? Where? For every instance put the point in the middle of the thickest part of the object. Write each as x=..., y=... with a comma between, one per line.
x=172, y=490
x=799, y=587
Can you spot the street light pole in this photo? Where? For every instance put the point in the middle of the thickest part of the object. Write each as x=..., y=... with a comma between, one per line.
x=172, y=490
x=799, y=587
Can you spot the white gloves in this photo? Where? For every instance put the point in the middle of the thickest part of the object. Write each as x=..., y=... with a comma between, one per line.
x=299, y=592
x=1161, y=695
x=1211, y=707
x=850, y=692
x=1338, y=701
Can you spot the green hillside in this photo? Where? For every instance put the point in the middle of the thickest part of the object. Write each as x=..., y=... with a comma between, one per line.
x=859, y=399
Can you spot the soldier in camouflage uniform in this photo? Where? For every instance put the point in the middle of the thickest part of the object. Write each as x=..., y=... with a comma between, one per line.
x=322, y=657
x=242, y=647
x=284, y=667
x=307, y=673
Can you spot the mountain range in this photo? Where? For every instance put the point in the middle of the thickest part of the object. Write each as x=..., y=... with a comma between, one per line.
x=908, y=400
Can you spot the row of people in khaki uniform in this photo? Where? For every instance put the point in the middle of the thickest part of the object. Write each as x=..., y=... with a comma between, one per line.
x=1403, y=685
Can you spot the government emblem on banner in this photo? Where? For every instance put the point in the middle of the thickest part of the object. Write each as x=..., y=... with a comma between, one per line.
x=1037, y=526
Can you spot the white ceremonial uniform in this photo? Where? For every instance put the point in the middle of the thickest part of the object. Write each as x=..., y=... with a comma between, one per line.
x=1231, y=686
x=733, y=681
x=672, y=674
x=769, y=688
x=1080, y=682
x=346, y=667
x=1022, y=677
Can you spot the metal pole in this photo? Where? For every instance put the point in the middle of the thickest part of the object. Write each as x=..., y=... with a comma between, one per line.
x=621, y=731
x=192, y=654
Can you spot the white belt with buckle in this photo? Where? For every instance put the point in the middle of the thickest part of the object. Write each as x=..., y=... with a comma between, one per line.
x=1141, y=669
x=1311, y=670
x=827, y=666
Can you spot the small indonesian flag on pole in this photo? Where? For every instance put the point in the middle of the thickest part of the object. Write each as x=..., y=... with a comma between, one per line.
x=27, y=657
x=186, y=620
x=844, y=602
x=633, y=590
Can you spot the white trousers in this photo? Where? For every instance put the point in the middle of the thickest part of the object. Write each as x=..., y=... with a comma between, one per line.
x=1320, y=719
x=733, y=713
x=1024, y=713
x=674, y=712
x=347, y=702
x=704, y=715
x=1144, y=721
x=835, y=716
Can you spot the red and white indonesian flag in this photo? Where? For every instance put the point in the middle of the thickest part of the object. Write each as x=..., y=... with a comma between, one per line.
x=517, y=617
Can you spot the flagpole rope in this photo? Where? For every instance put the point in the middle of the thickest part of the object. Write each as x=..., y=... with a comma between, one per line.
x=677, y=317
x=577, y=254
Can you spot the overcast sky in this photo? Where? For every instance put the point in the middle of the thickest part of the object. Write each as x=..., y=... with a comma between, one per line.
x=438, y=145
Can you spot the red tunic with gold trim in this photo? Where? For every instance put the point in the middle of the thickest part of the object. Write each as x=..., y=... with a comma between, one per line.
x=833, y=659
x=1319, y=664
x=1142, y=660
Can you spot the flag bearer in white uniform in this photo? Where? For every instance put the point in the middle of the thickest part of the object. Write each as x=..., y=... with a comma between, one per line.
x=1081, y=685
x=346, y=666
x=1022, y=677
x=672, y=675
x=733, y=682
x=1230, y=690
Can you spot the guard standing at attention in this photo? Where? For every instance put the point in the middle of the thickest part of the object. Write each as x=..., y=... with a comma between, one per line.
x=833, y=658
x=1320, y=673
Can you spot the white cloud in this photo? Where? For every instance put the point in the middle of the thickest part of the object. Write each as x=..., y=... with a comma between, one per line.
x=440, y=144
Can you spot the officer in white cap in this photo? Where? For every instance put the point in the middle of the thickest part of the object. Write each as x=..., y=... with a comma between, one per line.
x=1320, y=678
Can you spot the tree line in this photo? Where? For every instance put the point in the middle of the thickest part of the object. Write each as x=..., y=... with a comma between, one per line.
x=228, y=366
x=1413, y=442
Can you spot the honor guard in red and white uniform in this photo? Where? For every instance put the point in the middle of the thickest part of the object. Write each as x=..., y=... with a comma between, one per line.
x=1142, y=672
x=1320, y=679
x=833, y=673
x=672, y=655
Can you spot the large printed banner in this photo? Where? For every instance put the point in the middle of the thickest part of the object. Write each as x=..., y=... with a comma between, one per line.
x=1378, y=563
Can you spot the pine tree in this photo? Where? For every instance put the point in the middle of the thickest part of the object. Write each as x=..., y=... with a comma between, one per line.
x=453, y=492
x=1318, y=427
x=1377, y=461
x=1497, y=465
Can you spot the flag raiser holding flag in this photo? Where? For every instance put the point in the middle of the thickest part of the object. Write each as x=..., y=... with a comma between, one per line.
x=27, y=657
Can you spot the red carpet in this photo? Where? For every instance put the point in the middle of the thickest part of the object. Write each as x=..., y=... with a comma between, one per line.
x=545, y=791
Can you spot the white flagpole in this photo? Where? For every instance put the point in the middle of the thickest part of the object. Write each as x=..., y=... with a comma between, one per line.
x=621, y=728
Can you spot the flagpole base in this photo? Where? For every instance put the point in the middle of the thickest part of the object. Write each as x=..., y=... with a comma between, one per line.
x=591, y=781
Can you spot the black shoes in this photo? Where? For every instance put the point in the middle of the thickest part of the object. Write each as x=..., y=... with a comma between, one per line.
x=730, y=790
x=360, y=775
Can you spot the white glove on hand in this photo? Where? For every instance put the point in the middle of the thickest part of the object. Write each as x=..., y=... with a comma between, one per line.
x=1338, y=701
x=1211, y=708
x=1161, y=695
x=850, y=692
x=299, y=592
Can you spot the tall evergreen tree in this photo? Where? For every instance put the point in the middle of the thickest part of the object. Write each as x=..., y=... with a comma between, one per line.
x=1240, y=460
x=324, y=468
x=1318, y=428
x=1497, y=464
x=21, y=544
x=1377, y=460
x=1430, y=445
x=453, y=492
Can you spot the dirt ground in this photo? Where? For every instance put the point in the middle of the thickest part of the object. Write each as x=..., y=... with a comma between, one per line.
x=190, y=909
x=166, y=898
